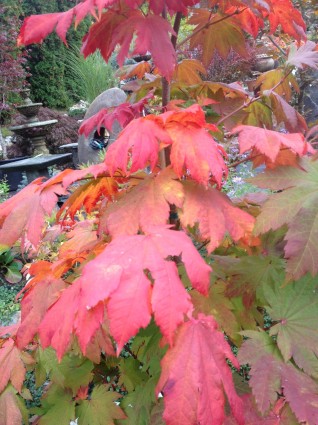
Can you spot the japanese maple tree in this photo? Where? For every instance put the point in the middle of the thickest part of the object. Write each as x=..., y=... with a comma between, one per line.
x=150, y=288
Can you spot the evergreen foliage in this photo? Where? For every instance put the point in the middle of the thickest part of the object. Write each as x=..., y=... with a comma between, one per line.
x=51, y=80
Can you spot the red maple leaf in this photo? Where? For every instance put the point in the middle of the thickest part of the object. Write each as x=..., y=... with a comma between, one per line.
x=12, y=367
x=215, y=215
x=193, y=387
x=23, y=216
x=72, y=314
x=163, y=53
x=270, y=143
x=284, y=14
x=147, y=203
x=141, y=140
x=35, y=303
x=115, y=26
x=36, y=27
x=100, y=34
x=106, y=117
x=108, y=32
x=157, y=6
x=193, y=149
x=246, y=19
x=118, y=275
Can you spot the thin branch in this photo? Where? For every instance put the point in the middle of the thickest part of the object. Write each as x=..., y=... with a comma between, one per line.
x=176, y=27
x=207, y=25
x=164, y=156
x=276, y=45
x=205, y=243
x=127, y=348
x=249, y=158
x=245, y=105
x=282, y=80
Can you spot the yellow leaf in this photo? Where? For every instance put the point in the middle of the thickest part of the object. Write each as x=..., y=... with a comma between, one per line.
x=188, y=71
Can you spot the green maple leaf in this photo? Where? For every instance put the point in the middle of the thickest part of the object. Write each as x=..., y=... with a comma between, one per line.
x=58, y=407
x=156, y=415
x=100, y=409
x=296, y=206
x=248, y=276
x=220, y=307
x=139, y=403
x=271, y=376
x=146, y=346
x=246, y=318
x=130, y=373
x=72, y=372
x=261, y=353
x=259, y=115
x=295, y=308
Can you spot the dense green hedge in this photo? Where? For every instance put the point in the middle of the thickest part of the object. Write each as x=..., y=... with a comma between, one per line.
x=51, y=83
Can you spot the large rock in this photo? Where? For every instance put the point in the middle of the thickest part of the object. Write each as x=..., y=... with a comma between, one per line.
x=107, y=99
x=309, y=98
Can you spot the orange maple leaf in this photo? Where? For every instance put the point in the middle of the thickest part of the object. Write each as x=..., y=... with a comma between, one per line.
x=12, y=366
x=269, y=143
x=147, y=204
x=284, y=13
x=140, y=139
x=215, y=215
x=193, y=149
x=23, y=216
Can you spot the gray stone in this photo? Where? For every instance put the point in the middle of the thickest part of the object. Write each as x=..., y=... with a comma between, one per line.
x=309, y=98
x=107, y=99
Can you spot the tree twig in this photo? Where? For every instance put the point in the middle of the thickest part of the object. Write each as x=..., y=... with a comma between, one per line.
x=207, y=25
x=254, y=99
x=276, y=45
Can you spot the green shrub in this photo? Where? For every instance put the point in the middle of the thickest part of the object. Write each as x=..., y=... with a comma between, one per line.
x=92, y=74
x=4, y=190
x=50, y=81
x=8, y=306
